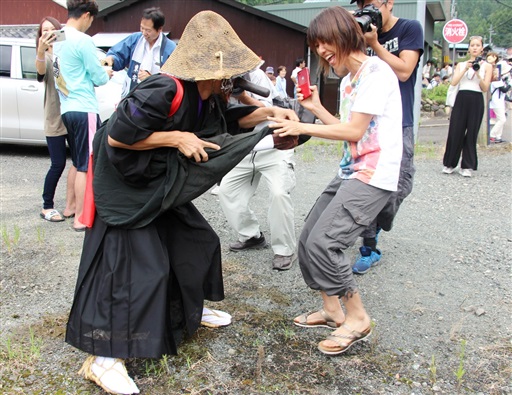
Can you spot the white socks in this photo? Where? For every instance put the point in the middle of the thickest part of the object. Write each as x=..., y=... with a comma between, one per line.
x=215, y=318
x=112, y=373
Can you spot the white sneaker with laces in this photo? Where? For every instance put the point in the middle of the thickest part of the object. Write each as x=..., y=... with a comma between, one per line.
x=465, y=172
x=448, y=170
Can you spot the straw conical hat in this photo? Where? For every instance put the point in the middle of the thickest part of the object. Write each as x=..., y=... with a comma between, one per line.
x=209, y=49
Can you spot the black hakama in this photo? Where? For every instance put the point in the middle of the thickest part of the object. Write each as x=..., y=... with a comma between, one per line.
x=151, y=258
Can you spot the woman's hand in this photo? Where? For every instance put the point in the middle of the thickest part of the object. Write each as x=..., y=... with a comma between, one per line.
x=193, y=147
x=312, y=101
x=46, y=40
x=285, y=127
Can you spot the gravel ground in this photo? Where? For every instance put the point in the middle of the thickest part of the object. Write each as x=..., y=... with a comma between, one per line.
x=440, y=299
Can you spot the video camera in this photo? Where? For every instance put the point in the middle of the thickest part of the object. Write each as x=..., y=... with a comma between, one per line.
x=368, y=15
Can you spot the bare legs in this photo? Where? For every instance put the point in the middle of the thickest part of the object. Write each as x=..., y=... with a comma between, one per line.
x=70, y=193
x=80, y=181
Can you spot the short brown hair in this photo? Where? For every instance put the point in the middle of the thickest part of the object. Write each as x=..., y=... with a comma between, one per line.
x=335, y=26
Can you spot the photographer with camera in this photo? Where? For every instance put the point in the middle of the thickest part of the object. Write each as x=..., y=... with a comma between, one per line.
x=473, y=78
x=499, y=89
x=399, y=43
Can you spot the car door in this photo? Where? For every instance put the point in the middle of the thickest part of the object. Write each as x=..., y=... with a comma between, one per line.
x=9, y=121
x=30, y=97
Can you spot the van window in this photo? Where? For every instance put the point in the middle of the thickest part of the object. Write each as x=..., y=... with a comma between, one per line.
x=28, y=62
x=5, y=60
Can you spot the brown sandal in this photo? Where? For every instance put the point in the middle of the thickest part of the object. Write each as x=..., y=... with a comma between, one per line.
x=327, y=322
x=344, y=342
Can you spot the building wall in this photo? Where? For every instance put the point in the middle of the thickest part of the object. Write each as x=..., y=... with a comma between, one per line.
x=20, y=12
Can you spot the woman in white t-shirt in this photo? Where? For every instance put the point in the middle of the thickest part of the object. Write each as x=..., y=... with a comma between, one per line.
x=371, y=128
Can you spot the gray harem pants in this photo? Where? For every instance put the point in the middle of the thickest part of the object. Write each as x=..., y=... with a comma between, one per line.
x=341, y=213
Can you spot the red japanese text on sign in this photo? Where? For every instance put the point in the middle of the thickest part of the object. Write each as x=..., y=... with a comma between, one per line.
x=455, y=31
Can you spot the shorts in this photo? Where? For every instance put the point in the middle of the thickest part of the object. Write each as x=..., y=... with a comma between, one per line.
x=81, y=128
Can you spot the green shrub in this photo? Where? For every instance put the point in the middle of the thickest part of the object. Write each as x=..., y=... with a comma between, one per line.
x=437, y=94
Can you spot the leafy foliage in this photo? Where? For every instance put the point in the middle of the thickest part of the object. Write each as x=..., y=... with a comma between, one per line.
x=437, y=94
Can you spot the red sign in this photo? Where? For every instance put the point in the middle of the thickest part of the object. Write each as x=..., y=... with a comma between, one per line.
x=455, y=31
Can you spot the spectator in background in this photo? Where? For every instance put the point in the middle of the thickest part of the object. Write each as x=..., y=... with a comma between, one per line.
x=269, y=71
x=425, y=72
x=446, y=71
x=468, y=111
x=300, y=63
x=54, y=129
x=77, y=71
x=400, y=45
x=436, y=81
x=499, y=89
x=281, y=82
x=238, y=187
x=143, y=53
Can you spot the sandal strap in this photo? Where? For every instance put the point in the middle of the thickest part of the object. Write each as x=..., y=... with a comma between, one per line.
x=87, y=373
x=329, y=321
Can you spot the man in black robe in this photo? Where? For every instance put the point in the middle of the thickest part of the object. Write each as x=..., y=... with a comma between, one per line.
x=150, y=259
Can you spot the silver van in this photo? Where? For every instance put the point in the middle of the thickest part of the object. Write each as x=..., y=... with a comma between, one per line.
x=22, y=97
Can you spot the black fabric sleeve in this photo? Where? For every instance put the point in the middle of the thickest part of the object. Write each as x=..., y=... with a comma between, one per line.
x=144, y=111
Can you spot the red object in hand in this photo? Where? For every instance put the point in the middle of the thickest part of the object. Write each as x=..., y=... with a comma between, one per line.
x=303, y=82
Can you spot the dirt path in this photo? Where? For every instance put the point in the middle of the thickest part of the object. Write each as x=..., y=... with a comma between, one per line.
x=440, y=300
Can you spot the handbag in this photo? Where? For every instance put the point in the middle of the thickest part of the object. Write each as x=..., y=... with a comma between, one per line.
x=452, y=94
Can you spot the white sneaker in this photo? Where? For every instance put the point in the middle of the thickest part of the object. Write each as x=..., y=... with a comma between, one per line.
x=215, y=318
x=110, y=374
x=465, y=172
x=448, y=170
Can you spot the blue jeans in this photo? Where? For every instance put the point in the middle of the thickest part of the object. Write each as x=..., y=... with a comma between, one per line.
x=57, y=149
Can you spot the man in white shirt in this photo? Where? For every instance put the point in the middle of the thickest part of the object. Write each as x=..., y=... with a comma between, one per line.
x=300, y=63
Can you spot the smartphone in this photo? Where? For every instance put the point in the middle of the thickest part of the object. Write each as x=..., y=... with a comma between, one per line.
x=60, y=35
x=303, y=82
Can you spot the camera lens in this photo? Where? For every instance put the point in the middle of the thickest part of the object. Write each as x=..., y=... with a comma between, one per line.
x=476, y=66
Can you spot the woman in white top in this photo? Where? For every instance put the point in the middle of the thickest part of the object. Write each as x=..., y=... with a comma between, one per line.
x=370, y=125
x=473, y=78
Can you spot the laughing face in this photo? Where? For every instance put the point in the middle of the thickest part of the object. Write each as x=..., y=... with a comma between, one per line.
x=329, y=53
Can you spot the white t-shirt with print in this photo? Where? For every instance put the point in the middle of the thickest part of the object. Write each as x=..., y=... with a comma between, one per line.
x=376, y=158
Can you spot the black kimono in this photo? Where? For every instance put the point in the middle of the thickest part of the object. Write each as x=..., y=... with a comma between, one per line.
x=151, y=259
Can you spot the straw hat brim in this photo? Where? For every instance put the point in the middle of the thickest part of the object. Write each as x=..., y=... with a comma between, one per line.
x=209, y=49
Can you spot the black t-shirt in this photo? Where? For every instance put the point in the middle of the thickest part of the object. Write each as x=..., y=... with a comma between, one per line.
x=406, y=34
